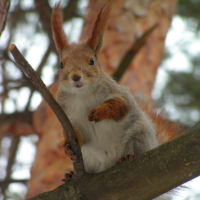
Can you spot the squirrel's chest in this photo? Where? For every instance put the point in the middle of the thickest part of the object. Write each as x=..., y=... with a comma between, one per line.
x=97, y=149
x=78, y=113
x=78, y=110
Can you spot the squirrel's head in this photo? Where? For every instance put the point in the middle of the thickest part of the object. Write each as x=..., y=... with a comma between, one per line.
x=79, y=62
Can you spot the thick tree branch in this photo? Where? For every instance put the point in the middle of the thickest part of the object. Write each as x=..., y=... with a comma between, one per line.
x=145, y=177
x=138, y=44
x=38, y=83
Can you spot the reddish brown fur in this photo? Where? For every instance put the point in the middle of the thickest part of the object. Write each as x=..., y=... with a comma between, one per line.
x=112, y=109
x=59, y=35
x=95, y=40
x=165, y=130
x=78, y=55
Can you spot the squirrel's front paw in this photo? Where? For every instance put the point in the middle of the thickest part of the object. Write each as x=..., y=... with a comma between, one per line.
x=98, y=114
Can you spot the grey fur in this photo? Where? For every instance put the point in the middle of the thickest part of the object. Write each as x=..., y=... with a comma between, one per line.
x=134, y=134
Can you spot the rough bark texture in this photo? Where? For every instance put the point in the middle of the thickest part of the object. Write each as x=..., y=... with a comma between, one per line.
x=129, y=19
x=145, y=177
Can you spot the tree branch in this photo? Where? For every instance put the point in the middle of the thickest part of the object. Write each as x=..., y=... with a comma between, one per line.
x=19, y=123
x=68, y=130
x=4, y=7
x=43, y=61
x=138, y=44
x=45, y=14
x=145, y=177
x=70, y=9
x=24, y=116
x=12, y=154
x=8, y=181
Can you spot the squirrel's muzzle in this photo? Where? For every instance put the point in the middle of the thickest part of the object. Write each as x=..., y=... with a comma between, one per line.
x=76, y=77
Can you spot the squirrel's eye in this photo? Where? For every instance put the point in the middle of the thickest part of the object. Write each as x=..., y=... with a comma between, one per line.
x=61, y=65
x=91, y=61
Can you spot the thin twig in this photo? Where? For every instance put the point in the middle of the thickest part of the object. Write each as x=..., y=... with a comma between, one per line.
x=8, y=181
x=3, y=13
x=12, y=154
x=68, y=129
x=69, y=10
x=45, y=11
x=132, y=53
x=43, y=61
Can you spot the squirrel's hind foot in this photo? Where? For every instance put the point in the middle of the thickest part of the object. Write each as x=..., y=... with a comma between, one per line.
x=124, y=158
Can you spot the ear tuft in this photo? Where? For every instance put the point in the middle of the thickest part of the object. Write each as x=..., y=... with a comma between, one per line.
x=96, y=38
x=58, y=33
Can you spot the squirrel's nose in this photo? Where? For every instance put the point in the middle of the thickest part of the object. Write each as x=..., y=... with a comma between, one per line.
x=76, y=78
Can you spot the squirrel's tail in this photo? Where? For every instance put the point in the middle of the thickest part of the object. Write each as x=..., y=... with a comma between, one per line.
x=165, y=130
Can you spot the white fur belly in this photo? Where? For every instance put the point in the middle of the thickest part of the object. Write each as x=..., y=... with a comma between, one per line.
x=101, y=140
x=101, y=150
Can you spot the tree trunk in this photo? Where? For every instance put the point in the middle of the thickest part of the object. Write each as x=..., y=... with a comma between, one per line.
x=129, y=19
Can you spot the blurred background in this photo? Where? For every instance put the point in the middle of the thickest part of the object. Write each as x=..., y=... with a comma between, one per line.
x=24, y=158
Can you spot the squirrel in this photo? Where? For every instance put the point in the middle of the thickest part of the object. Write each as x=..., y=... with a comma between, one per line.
x=108, y=122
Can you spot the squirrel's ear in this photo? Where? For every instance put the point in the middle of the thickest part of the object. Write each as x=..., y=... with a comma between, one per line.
x=96, y=38
x=58, y=33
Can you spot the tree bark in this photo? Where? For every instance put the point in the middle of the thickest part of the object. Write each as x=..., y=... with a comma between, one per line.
x=128, y=21
x=142, y=178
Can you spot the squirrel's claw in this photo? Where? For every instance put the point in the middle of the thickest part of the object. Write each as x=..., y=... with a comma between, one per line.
x=98, y=114
x=69, y=151
x=124, y=158
x=68, y=176
x=93, y=117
